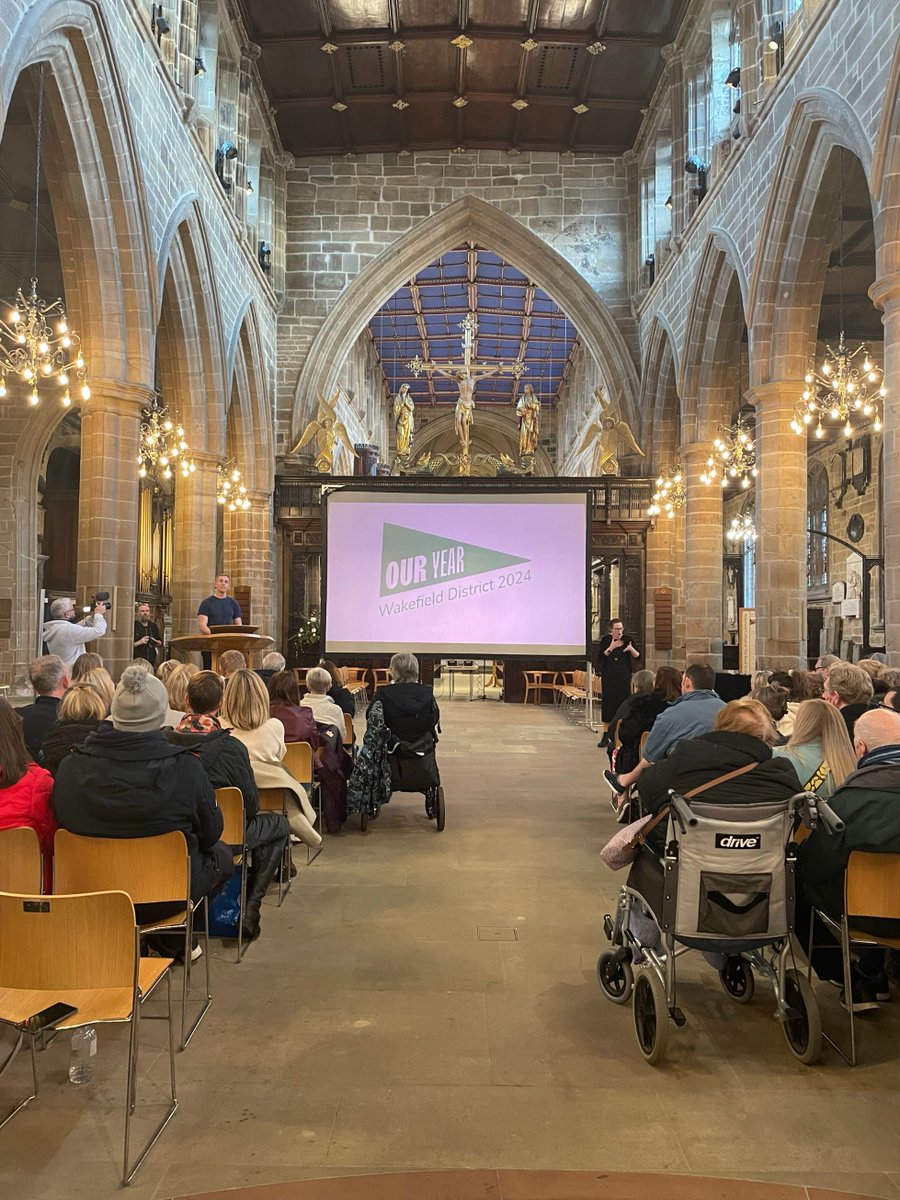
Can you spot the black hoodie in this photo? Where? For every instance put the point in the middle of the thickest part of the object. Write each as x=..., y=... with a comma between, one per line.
x=410, y=709
x=225, y=761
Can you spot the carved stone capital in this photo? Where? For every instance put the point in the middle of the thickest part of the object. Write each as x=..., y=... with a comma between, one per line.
x=885, y=292
x=252, y=51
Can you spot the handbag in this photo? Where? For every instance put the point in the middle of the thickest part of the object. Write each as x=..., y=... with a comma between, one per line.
x=621, y=849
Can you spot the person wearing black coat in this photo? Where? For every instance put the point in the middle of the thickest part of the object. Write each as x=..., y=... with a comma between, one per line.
x=342, y=696
x=62, y=739
x=636, y=716
x=411, y=715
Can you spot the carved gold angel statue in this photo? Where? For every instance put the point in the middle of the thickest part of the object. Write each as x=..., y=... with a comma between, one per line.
x=327, y=430
x=607, y=434
x=404, y=419
x=528, y=410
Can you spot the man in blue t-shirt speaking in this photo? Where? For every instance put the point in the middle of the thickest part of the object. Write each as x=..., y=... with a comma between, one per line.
x=219, y=608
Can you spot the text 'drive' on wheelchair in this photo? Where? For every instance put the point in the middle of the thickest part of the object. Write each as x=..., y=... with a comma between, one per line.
x=414, y=768
x=727, y=889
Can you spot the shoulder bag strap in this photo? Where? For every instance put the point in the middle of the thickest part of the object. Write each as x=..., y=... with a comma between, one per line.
x=719, y=779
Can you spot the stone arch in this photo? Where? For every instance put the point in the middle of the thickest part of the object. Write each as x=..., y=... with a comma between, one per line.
x=885, y=177
x=468, y=219
x=716, y=313
x=106, y=248
x=249, y=412
x=660, y=401
x=786, y=284
x=492, y=433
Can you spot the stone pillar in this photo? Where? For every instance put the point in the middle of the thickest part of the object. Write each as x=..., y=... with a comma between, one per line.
x=681, y=212
x=194, y=543
x=665, y=568
x=250, y=557
x=781, y=529
x=886, y=295
x=702, y=560
x=108, y=508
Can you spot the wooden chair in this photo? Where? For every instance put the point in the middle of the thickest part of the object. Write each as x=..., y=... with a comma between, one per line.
x=536, y=683
x=151, y=870
x=298, y=760
x=871, y=890
x=275, y=800
x=234, y=832
x=349, y=738
x=81, y=950
x=21, y=860
x=300, y=675
x=381, y=677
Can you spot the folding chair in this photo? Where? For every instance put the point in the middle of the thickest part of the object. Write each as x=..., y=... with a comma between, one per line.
x=82, y=950
x=151, y=870
x=298, y=760
x=21, y=860
x=871, y=891
x=275, y=800
x=234, y=833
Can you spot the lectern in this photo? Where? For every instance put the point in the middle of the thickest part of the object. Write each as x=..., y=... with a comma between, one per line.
x=217, y=643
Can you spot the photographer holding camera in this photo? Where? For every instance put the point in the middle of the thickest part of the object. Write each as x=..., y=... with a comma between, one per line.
x=147, y=639
x=66, y=637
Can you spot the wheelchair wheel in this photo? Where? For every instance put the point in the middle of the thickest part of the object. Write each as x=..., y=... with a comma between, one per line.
x=441, y=814
x=651, y=1016
x=737, y=979
x=615, y=976
x=802, y=1025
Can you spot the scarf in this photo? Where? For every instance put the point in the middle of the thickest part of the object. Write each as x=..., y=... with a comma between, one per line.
x=194, y=724
x=888, y=756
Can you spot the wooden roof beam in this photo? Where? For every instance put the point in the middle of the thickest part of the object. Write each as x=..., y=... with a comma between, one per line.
x=486, y=33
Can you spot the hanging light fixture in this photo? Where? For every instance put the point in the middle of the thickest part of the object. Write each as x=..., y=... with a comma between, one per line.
x=732, y=457
x=670, y=493
x=36, y=344
x=848, y=387
x=742, y=527
x=230, y=489
x=163, y=448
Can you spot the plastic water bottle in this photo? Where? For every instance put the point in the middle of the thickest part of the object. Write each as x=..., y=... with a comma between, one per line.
x=84, y=1047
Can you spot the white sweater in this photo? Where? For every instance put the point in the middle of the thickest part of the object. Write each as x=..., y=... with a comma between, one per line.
x=67, y=640
x=267, y=750
x=324, y=710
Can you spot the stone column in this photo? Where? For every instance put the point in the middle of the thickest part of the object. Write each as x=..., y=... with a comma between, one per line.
x=886, y=295
x=665, y=567
x=678, y=105
x=194, y=542
x=250, y=557
x=108, y=508
x=781, y=529
x=702, y=560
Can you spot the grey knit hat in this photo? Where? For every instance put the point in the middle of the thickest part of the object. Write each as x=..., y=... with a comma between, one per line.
x=140, y=702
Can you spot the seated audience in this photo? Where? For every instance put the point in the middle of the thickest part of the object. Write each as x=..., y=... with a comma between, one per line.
x=165, y=669
x=227, y=764
x=338, y=692
x=84, y=663
x=775, y=700
x=849, y=689
x=824, y=663
x=176, y=690
x=245, y=711
x=101, y=681
x=819, y=748
x=25, y=787
x=324, y=709
x=49, y=678
x=272, y=663
x=128, y=781
x=876, y=673
x=284, y=703
x=142, y=664
x=868, y=803
x=81, y=711
x=231, y=661
x=692, y=713
x=651, y=696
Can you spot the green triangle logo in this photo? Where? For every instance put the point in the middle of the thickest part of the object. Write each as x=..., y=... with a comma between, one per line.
x=411, y=559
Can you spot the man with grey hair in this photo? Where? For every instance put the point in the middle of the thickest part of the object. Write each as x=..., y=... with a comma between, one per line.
x=324, y=709
x=849, y=689
x=49, y=678
x=868, y=802
x=272, y=663
x=66, y=638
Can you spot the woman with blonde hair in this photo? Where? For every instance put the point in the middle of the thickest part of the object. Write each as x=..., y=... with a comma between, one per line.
x=176, y=690
x=81, y=711
x=101, y=680
x=245, y=711
x=165, y=669
x=819, y=748
x=89, y=661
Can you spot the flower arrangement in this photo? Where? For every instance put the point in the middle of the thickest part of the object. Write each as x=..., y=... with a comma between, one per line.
x=307, y=635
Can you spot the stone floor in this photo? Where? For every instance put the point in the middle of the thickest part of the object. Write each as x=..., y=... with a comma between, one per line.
x=427, y=1002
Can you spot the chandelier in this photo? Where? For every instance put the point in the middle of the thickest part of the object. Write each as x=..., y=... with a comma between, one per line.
x=163, y=444
x=742, y=528
x=669, y=494
x=230, y=490
x=36, y=344
x=842, y=389
x=732, y=458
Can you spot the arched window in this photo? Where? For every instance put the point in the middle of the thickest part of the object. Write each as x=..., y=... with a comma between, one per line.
x=817, y=524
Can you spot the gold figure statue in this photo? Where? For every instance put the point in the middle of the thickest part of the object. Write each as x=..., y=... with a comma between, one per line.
x=607, y=434
x=327, y=430
x=404, y=420
x=528, y=410
x=465, y=409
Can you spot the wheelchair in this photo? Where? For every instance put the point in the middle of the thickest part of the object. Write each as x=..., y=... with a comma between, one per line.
x=727, y=887
x=414, y=769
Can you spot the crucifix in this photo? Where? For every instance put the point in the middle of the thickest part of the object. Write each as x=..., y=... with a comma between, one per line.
x=466, y=373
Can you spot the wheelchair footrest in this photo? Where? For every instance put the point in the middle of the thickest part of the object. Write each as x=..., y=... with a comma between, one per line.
x=678, y=1017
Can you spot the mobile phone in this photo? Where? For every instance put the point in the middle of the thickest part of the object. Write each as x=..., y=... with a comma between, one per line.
x=46, y=1018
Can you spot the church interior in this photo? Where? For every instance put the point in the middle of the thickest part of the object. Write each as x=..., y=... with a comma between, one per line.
x=439, y=253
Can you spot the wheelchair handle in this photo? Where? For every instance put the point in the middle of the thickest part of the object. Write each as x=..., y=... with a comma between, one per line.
x=681, y=808
x=828, y=817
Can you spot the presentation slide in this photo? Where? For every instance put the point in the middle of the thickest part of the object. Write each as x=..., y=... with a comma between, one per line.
x=456, y=575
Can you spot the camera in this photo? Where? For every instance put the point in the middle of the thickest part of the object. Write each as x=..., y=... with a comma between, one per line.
x=96, y=601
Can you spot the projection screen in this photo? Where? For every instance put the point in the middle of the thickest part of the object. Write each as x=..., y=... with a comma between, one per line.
x=456, y=574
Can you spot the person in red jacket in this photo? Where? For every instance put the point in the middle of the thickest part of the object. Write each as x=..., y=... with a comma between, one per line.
x=25, y=788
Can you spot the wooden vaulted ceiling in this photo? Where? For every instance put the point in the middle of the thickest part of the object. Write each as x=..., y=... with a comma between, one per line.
x=357, y=76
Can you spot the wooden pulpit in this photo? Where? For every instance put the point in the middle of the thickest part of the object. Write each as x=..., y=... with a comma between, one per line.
x=217, y=643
